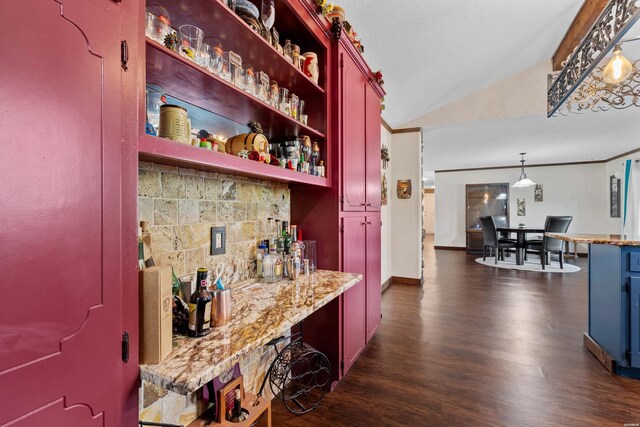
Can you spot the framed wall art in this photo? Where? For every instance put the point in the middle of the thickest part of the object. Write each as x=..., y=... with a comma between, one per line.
x=614, y=197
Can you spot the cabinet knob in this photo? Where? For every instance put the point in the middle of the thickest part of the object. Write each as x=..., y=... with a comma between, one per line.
x=369, y=222
x=368, y=204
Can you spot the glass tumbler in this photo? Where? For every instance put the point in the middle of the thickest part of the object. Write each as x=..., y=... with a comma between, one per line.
x=158, y=23
x=155, y=99
x=311, y=253
x=191, y=38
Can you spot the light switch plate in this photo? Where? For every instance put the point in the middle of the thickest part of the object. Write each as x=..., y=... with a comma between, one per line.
x=218, y=240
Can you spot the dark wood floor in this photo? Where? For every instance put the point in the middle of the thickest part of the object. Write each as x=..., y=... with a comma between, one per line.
x=478, y=346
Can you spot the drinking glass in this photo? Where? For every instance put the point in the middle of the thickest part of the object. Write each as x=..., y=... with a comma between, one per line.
x=155, y=98
x=215, y=60
x=158, y=23
x=203, y=58
x=274, y=94
x=225, y=70
x=250, y=79
x=285, y=107
x=311, y=253
x=268, y=14
x=191, y=38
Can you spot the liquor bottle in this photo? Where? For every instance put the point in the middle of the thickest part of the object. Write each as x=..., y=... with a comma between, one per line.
x=140, y=250
x=286, y=236
x=259, y=257
x=237, y=415
x=200, y=307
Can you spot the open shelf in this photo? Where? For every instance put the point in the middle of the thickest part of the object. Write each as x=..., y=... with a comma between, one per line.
x=217, y=20
x=167, y=152
x=187, y=81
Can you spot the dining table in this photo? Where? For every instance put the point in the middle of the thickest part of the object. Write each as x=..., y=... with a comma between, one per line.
x=521, y=233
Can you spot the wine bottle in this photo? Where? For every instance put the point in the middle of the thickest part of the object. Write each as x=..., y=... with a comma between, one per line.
x=141, y=265
x=237, y=408
x=200, y=307
x=286, y=237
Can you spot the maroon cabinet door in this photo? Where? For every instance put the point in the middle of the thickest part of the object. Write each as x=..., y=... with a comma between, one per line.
x=374, y=284
x=60, y=215
x=352, y=98
x=354, y=308
x=372, y=151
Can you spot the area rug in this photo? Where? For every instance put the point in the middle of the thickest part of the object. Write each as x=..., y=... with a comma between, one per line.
x=533, y=264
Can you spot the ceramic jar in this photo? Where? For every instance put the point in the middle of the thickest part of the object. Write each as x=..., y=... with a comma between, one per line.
x=310, y=66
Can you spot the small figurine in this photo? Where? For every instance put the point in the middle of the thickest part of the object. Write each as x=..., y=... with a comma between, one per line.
x=244, y=154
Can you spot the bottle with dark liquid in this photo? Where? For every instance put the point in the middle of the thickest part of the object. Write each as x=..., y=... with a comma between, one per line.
x=286, y=237
x=236, y=415
x=200, y=307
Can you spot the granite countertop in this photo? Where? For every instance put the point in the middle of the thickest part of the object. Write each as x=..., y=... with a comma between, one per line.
x=261, y=311
x=600, y=239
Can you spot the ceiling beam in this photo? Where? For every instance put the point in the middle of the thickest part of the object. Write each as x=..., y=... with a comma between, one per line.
x=582, y=23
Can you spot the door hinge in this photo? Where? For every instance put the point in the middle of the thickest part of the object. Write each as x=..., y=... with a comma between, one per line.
x=124, y=55
x=125, y=347
x=627, y=355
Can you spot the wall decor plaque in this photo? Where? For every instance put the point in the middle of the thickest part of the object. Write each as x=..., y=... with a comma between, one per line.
x=404, y=189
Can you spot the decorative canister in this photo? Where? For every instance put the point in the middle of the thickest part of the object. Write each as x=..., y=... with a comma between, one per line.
x=310, y=66
x=174, y=123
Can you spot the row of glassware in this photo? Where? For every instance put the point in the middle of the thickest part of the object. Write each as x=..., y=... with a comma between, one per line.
x=189, y=41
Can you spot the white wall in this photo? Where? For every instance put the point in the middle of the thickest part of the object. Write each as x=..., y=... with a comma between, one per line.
x=577, y=190
x=406, y=221
x=428, y=212
x=385, y=213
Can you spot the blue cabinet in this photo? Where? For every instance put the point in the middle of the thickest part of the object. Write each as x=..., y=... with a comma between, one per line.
x=614, y=304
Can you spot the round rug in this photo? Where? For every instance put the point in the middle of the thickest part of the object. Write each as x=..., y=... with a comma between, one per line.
x=532, y=264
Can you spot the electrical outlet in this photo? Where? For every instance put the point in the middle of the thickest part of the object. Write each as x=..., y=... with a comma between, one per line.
x=218, y=240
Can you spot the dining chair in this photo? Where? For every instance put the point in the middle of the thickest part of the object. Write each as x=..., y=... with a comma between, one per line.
x=501, y=222
x=547, y=245
x=491, y=239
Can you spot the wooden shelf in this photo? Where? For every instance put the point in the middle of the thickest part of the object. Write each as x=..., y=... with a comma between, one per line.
x=217, y=20
x=167, y=152
x=190, y=83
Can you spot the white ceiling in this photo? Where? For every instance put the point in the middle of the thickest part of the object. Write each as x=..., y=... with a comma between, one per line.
x=434, y=52
x=576, y=137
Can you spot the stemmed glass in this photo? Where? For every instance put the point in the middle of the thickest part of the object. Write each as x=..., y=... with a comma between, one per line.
x=268, y=15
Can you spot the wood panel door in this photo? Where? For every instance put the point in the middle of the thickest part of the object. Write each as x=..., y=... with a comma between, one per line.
x=61, y=253
x=373, y=276
x=354, y=308
x=352, y=98
x=372, y=151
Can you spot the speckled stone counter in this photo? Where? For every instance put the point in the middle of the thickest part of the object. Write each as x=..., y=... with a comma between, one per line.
x=600, y=239
x=260, y=311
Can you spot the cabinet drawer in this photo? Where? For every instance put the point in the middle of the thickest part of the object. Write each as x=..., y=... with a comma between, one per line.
x=634, y=261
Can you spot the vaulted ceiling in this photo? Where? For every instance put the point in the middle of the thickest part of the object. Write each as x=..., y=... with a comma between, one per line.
x=434, y=52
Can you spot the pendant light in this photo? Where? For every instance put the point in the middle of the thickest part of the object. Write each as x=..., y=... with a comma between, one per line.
x=618, y=68
x=523, y=182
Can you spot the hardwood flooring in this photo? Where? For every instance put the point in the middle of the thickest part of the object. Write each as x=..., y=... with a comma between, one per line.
x=478, y=346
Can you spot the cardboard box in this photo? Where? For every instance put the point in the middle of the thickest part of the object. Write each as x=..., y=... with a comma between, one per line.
x=156, y=314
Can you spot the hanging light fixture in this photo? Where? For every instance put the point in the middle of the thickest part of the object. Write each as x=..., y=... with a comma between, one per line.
x=523, y=182
x=618, y=68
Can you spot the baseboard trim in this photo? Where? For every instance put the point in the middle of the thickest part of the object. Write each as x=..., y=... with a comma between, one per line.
x=387, y=283
x=599, y=353
x=406, y=281
x=450, y=248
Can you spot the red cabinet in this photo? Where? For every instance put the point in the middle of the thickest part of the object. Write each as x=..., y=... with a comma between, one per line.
x=360, y=138
x=373, y=273
x=354, y=308
x=372, y=149
x=352, y=89
x=63, y=265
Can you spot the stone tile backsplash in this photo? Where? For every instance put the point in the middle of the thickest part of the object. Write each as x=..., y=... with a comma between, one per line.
x=181, y=206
